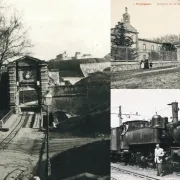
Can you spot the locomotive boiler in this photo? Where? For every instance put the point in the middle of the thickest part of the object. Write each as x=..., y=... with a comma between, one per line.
x=135, y=141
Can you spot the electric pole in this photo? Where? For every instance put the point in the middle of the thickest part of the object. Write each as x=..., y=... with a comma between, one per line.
x=120, y=116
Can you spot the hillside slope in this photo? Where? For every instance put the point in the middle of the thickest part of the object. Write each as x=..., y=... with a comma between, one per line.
x=79, y=67
x=90, y=124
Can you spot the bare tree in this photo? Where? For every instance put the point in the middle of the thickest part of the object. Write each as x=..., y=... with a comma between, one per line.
x=171, y=38
x=13, y=36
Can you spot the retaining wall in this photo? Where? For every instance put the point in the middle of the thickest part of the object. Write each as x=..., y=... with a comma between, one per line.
x=123, y=66
x=88, y=68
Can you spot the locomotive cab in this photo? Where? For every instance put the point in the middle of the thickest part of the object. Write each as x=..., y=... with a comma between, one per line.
x=127, y=134
x=136, y=124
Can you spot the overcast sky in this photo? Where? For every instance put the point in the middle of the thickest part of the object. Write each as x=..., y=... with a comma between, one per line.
x=144, y=101
x=150, y=20
x=66, y=25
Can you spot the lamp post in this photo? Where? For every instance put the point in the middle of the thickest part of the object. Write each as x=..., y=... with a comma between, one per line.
x=47, y=102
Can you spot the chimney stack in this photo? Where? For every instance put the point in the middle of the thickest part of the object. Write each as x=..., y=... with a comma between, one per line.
x=175, y=110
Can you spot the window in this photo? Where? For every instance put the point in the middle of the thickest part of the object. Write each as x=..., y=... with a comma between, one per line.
x=152, y=48
x=144, y=47
x=114, y=132
x=142, y=125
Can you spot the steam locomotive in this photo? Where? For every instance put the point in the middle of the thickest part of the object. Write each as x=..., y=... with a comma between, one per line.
x=135, y=141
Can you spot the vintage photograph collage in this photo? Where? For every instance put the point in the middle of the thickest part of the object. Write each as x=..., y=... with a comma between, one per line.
x=89, y=89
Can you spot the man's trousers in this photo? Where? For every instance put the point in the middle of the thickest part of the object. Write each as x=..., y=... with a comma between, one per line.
x=159, y=168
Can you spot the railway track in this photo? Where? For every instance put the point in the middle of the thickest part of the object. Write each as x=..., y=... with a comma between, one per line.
x=14, y=146
x=142, y=176
x=15, y=174
x=113, y=178
x=4, y=143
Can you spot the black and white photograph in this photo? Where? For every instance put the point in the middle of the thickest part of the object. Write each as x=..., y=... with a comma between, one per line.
x=54, y=89
x=145, y=44
x=145, y=134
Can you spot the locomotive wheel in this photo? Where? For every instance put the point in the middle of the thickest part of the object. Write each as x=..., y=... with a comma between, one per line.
x=170, y=168
x=151, y=164
x=126, y=159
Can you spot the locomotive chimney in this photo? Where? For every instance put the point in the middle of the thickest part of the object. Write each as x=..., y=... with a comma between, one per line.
x=175, y=110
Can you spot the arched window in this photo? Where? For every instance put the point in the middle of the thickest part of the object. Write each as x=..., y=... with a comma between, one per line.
x=152, y=48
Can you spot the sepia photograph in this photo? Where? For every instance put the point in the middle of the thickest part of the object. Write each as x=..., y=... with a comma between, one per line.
x=145, y=134
x=55, y=89
x=145, y=44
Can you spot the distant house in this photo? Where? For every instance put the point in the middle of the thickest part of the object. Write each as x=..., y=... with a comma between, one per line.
x=78, y=55
x=86, y=56
x=63, y=56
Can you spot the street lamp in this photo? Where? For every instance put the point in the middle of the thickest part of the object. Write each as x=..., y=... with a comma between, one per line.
x=47, y=102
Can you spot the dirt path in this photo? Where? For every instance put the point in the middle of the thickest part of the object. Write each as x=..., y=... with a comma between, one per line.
x=22, y=153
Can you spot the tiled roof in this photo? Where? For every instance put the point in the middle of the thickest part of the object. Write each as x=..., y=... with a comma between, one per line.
x=148, y=40
x=129, y=27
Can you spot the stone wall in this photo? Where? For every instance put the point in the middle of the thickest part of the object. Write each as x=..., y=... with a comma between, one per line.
x=44, y=80
x=79, y=99
x=123, y=66
x=12, y=84
x=68, y=90
x=54, y=75
x=94, y=67
x=165, y=64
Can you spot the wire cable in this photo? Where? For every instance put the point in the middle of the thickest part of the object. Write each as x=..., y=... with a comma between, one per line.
x=68, y=119
x=163, y=109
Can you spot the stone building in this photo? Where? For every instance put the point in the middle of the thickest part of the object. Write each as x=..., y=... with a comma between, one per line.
x=63, y=56
x=144, y=47
x=85, y=56
x=78, y=55
x=130, y=30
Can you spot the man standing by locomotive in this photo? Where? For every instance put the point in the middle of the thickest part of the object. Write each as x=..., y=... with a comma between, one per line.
x=159, y=153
